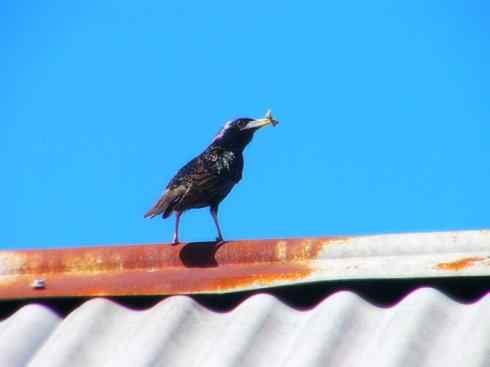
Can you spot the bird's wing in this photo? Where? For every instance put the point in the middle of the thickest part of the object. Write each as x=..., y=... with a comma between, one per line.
x=166, y=203
x=189, y=180
x=205, y=179
x=199, y=172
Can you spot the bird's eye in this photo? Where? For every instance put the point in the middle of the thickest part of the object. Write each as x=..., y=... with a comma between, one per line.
x=242, y=123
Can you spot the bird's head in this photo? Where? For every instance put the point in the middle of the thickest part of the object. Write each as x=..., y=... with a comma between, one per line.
x=236, y=134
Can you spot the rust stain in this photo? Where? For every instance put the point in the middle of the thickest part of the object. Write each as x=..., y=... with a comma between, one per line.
x=158, y=269
x=460, y=264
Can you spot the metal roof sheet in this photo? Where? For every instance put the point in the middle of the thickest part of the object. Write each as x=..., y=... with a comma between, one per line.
x=239, y=265
x=425, y=329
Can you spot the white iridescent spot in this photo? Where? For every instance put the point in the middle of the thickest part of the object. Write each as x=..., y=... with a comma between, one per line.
x=225, y=162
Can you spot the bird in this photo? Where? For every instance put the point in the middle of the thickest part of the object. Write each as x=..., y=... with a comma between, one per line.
x=208, y=178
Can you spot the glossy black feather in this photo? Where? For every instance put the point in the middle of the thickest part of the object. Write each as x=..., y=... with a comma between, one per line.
x=207, y=179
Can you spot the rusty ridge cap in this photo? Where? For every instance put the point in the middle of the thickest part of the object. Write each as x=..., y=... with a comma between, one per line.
x=156, y=269
x=151, y=269
x=157, y=256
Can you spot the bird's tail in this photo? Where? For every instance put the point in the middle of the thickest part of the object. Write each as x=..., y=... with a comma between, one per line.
x=164, y=205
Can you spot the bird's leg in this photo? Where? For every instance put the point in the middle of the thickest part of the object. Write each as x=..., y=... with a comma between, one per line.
x=176, y=232
x=214, y=213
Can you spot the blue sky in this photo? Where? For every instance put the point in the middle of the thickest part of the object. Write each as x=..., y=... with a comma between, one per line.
x=385, y=120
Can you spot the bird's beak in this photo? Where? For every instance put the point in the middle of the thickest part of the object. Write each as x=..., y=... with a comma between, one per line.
x=257, y=124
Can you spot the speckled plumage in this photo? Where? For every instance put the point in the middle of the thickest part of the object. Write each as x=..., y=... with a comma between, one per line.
x=205, y=180
x=208, y=178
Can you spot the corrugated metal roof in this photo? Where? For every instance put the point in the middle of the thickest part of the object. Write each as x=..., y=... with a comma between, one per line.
x=239, y=265
x=425, y=329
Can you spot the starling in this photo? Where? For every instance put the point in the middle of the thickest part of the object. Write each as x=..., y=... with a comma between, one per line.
x=207, y=179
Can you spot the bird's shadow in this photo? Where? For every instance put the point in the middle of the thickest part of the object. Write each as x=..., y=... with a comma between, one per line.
x=200, y=254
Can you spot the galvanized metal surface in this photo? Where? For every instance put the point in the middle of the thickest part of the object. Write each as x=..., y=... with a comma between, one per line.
x=425, y=329
x=240, y=265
